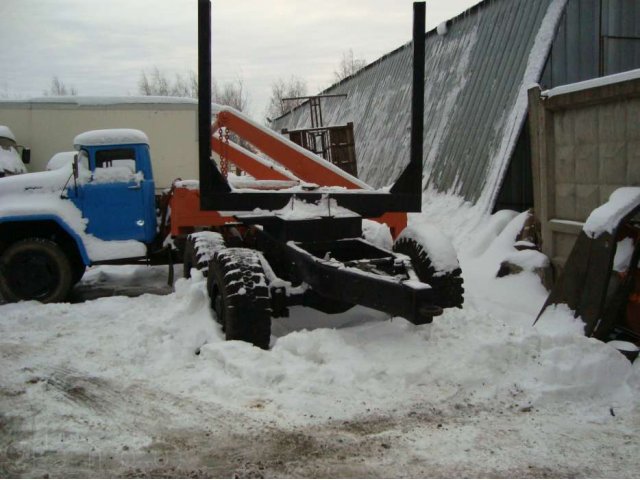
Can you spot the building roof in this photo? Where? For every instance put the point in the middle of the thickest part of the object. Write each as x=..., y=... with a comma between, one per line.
x=476, y=79
x=104, y=101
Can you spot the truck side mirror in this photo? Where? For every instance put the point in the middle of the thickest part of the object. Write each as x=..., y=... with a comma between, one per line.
x=26, y=155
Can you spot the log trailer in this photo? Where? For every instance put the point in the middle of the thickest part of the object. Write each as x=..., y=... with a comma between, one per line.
x=291, y=236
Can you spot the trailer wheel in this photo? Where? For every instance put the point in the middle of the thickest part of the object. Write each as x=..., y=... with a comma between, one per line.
x=35, y=269
x=240, y=295
x=198, y=251
x=448, y=288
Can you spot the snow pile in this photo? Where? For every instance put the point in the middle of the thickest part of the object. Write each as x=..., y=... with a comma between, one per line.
x=369, y=364
x=560, y=321
x=437, y=246
x=377, y=234
x=529, y=259
x=10, y=161
x=60, y=160
x=5, y=132
x=606, y=217
x=469, y=370
x=624, y=251
x=481, y=262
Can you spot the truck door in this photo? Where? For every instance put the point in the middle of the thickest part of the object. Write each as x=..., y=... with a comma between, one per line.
x=114, y=200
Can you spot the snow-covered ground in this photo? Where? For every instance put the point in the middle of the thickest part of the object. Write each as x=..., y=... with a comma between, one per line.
x=147, y=386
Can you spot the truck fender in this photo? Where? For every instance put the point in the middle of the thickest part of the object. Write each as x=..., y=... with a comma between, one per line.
x=50, y=218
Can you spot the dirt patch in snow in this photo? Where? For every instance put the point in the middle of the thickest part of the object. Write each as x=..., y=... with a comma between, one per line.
x=123, y=430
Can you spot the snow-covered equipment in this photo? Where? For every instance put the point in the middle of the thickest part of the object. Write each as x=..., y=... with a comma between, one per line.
x=288, y=232
x=13, y=157
x=600, y=281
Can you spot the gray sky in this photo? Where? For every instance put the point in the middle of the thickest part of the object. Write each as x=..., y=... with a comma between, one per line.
x=101, y=46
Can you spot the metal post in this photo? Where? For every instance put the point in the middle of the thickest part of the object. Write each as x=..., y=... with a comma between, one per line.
x=601, y=45
x=417, y=94
x=410, y=182
x=211, y=180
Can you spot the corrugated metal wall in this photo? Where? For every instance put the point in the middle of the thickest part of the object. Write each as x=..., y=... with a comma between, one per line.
x=595, y=38
x=473, y=76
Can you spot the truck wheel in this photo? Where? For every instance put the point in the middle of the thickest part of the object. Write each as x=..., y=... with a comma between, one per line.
x=447, y=285
x=35, y=269
x=198, y=251
x=77, y=268
x=240, y=295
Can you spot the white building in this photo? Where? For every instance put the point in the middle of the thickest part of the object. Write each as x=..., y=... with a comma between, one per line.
x=48, y=125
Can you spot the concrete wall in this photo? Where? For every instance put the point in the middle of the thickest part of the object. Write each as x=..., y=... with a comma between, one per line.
x=585, y=145
x=48, y=127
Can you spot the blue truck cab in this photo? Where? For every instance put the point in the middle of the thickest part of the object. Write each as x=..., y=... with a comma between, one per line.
x=118, y=200
x=100, y=208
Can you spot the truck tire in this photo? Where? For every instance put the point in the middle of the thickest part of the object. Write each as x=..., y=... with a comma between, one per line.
x=77, y=269
x=240, y=295
x=35, y=269
x=448, y=288
x=188, y=257
x=198, y=251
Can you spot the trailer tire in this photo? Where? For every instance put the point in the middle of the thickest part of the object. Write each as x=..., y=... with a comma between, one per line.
x=448, y=288
x=35, y=269
x=240, y=295
x=198, y=251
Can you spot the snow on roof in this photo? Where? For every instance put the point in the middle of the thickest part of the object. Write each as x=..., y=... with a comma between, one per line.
x=96, y=100
x=112, y=136
x=593, y=83
x=7, y=133
x=10, y=161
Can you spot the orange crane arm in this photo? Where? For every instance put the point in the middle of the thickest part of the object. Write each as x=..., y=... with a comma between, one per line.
x=303, y=164
x=248, y=162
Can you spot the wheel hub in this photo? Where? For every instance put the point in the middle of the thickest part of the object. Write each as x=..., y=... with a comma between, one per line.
x=32, y=274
